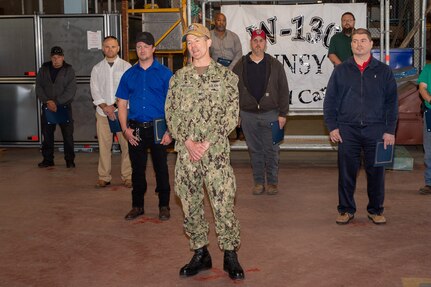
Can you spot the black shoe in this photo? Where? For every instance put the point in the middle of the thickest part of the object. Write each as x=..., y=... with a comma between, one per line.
x=135, y=212
x=45, y=163
x=201, y=260
x=70, y=164
x=231, y=265
x=164, y=213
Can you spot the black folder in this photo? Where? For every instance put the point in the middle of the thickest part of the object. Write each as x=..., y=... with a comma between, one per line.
x=159, y=130
x=61, y=116
x=384, y=157
x=224, y=62
x=277, y=133
x=114, y=125
x=427, y=115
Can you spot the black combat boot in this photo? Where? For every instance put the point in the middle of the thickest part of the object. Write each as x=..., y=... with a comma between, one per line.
x=201, y=260
x=232, y=266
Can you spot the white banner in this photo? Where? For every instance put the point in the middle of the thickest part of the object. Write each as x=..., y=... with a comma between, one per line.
x=298, y=36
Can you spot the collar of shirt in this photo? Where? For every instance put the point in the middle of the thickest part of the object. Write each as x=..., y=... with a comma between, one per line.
x=364, y=64
x=115, y=60
x=249, y=60
x=155, y=65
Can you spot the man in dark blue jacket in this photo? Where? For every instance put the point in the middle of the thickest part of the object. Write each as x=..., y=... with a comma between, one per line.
x=360, y=109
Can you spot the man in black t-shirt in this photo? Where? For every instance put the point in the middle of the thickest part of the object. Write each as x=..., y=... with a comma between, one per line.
x=263, y=101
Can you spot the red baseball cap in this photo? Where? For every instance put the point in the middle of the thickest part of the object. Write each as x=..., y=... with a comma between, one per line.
x=258, y=33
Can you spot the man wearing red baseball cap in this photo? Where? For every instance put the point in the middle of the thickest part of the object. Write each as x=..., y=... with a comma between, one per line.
x=263, y=100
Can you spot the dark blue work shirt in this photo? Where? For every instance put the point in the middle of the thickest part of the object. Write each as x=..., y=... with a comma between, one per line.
x=146, y=91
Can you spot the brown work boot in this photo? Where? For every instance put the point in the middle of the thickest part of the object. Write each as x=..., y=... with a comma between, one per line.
x=101, y=183
x=425, y=190
x=271, y=189
x=344, y=218
x=164, y=213
x=134, y=213
x=258, y=189
x=128, y=183
x=377, y=218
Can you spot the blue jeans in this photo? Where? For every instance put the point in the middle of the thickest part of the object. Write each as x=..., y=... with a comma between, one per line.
x=427, y=150
x=263, y=154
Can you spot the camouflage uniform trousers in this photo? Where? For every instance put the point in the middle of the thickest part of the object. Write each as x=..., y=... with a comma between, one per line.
x=213, y=170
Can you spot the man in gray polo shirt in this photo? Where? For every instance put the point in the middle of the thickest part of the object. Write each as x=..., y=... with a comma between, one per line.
x=226, y=48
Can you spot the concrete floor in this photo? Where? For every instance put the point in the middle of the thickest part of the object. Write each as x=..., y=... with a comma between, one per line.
x=56, y=229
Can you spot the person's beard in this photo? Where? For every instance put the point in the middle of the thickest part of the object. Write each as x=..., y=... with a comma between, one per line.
x=220, y=28
x=348, y=31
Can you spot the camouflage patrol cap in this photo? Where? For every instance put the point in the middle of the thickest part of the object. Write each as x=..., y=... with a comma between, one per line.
x=198, y=30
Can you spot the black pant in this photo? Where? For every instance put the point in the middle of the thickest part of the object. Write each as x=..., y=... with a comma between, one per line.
x=358, y=139
x=138, y=158
x=48, y=138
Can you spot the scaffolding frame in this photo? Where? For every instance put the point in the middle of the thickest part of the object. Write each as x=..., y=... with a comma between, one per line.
x=164, y=53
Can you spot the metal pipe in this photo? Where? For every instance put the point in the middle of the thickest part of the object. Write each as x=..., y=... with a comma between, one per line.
x=189, y=12
x=211, y=11
x=84, y=6
x=106, y=25
x=172, y=27
x=38, y=39
x=22, y=7
x=109, y=6
x=41, y=6
x=96, y=7
x=382, y=29
x=424, y=36
x=204, y=16
x=157, y=10
x=387, y=27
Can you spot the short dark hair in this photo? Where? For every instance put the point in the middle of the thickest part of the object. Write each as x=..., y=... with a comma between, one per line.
x=348, y=13
x=111, y=37
x=362, y=31
x=219, y=14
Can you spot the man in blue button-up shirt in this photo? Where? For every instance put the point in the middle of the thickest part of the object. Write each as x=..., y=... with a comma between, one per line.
x=144, y=88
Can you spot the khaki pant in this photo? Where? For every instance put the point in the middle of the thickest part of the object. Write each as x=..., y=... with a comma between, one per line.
x=105, y=139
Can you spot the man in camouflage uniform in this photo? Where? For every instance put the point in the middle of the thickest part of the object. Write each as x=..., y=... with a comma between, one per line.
x=201, y=110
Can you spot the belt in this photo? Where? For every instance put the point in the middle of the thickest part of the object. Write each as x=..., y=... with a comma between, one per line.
x=144, y=125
